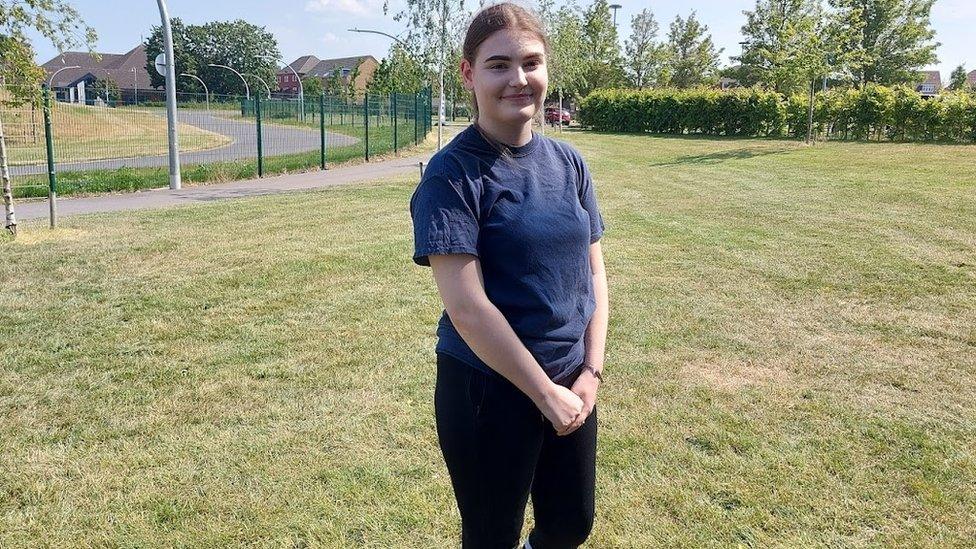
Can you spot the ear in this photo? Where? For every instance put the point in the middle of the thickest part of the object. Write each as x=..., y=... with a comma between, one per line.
x=467, y=74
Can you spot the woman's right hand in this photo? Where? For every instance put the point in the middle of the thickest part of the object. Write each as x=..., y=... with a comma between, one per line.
x=561, y=407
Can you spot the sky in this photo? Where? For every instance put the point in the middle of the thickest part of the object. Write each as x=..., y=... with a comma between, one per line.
x=319, y=27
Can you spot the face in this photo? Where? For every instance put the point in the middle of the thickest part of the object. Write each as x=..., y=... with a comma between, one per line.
x=509, y=77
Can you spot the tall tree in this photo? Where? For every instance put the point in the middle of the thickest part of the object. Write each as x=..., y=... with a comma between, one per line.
x=600, y=62
x=398, y=71
x=564, y=27
x=895, y=38
x=692, y=59
x=957, y=80
x=644, y=55
x=59, y=23
x=774, y=33
x=246, y=47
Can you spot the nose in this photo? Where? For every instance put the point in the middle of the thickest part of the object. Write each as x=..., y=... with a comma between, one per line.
x=518, y=79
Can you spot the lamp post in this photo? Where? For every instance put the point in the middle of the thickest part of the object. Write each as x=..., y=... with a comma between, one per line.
x=174, y=143
x=107, y=76
x=135, y=87
x=260, y=80
x=615, y=7
x=247, y=89
x=399, y=41
x=51, y=79
x=206, y=92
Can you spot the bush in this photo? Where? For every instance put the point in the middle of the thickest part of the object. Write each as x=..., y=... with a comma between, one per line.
x=874, y=112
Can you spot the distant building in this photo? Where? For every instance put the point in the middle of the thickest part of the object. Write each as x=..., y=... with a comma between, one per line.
x=971, y=80
x=127, y=70
x=726, y=83
x=309, y=65
x=931, y=84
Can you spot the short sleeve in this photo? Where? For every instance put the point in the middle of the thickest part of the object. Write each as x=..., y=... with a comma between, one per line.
x=445, y=219
x=588, y=201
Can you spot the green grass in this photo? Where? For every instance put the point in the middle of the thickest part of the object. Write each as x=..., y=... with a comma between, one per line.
x=791, y=360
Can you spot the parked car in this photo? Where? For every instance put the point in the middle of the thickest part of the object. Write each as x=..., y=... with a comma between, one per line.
x=553, y=116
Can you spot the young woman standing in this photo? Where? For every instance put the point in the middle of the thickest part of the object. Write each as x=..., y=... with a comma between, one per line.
x=508, y=221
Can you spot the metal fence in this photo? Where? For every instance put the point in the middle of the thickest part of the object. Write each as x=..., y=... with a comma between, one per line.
x=110, y=144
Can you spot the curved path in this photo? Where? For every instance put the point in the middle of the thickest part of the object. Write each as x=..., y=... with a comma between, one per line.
x=276, y=140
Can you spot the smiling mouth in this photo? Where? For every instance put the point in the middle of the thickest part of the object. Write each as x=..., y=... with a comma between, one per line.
x=517, y=97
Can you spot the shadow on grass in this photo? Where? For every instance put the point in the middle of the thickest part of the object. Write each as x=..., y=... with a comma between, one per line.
x=722, y=156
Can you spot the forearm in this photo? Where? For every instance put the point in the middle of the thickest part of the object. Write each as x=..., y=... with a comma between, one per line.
x=486, y=330
x=595, y=339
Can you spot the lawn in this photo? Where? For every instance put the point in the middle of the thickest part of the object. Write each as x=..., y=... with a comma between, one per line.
x=791, y=360
x=95, y=133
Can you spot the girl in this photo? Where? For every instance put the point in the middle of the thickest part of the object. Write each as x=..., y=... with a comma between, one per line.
x=508, y=221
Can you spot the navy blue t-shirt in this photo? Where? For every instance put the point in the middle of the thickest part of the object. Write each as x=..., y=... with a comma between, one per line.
x=529, y=218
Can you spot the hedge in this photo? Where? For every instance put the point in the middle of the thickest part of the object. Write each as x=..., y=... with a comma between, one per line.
x=874, y=112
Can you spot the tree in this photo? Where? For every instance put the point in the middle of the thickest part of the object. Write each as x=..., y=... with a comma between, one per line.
x=600, y=63
x=334, y=85
x=56, y=21
x=107, y=89
x=692, y=59
x=644, y=55
x=894, y=40
x=564, y=27
x=312, y=87
x=773, y=34
x=248, y=48
x=816, y=42
x=957, y=81
x=398, y=72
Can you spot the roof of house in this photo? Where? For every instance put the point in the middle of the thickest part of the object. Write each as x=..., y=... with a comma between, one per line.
x=313, y=66
x=931, y=77
x=115, y=66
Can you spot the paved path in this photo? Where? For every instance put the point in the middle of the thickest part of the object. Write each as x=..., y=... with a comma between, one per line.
x=162, y=198
x=276, y=140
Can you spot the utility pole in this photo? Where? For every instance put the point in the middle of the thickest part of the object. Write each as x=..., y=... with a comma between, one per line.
x=615, y=7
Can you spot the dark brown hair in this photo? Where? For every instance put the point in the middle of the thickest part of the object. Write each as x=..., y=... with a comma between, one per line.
x=503, y=16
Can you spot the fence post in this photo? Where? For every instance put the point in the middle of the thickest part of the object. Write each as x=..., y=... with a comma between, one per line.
x=416, y=118
x=393, y=105
x=257, y=116
x=366, y=121
x=49, y=144
x=322, y=126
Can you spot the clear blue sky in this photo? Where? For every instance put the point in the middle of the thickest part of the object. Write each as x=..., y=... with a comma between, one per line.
x=318, y=27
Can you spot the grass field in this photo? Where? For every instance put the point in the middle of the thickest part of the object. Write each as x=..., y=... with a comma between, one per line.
x=95, y=133
x=791, y=360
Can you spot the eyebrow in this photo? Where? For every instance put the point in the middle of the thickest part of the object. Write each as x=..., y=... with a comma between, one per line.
x=507, y=58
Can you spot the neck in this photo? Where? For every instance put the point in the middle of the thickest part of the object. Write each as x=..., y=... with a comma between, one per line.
x=513, y=136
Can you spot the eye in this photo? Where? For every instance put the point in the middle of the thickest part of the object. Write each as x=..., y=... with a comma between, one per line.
x=496, y=67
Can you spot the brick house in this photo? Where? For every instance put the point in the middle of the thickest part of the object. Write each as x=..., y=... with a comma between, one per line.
x=309, y=65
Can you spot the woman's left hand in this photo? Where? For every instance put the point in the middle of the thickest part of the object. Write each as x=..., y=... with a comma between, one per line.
x=585, y=387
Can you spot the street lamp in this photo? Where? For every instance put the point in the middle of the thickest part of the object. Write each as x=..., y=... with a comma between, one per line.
x=206, y=92
x=301, y=87
x=135, y=87
x=247, y=89
x=51, y=79
x=261, y=80
x=398, y=40
x=615, y=7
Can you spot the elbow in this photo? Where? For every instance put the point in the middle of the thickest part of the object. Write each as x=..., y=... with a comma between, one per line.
x=466, y=314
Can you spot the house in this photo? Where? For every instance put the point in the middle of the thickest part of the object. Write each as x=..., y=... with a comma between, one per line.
x=309, y=65
x=127, y=70
x=931, y=84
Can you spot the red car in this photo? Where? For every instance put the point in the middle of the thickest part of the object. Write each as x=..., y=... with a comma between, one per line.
x=553, y=116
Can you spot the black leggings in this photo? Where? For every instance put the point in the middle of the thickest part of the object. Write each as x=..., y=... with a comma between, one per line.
x=499, y=448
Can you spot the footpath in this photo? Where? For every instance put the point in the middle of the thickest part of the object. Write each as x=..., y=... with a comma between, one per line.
x=163, y=198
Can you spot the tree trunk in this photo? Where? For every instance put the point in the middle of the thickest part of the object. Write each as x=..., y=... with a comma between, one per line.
x=810, y=114
x=8, y=196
